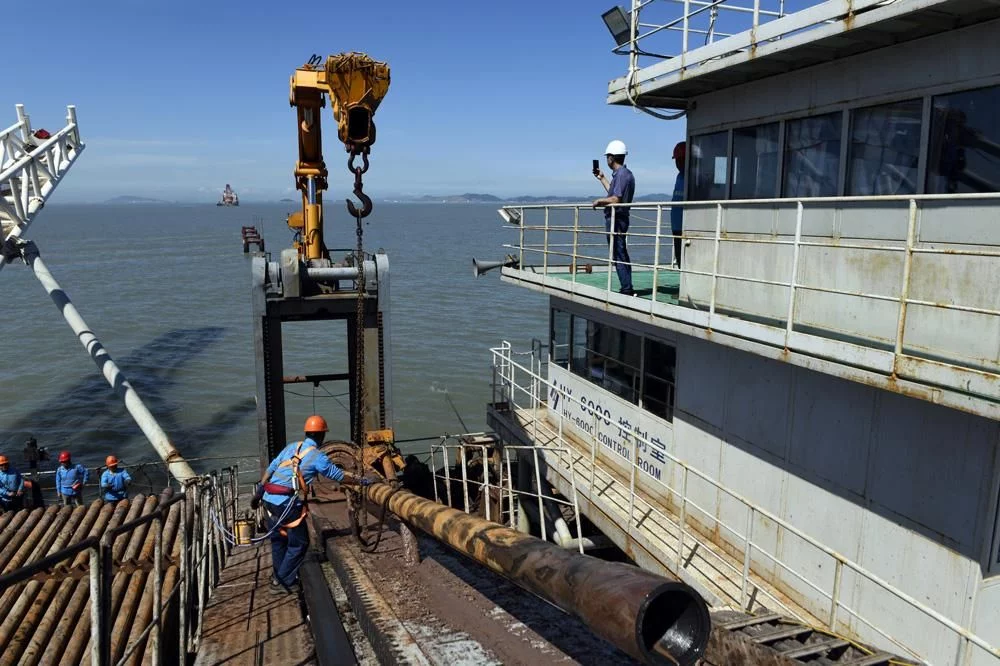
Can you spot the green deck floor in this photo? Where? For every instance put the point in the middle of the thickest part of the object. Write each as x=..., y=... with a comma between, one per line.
x=668, y=283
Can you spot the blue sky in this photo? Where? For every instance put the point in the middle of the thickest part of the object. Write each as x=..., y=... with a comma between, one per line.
x=177, y=98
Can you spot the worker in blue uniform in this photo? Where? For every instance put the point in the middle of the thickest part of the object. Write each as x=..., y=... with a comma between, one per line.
x=284, y=490
x=11, y=487
x=69, y=480
x=114, y=482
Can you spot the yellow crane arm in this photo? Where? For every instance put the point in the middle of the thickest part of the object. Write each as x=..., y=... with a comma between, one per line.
x=356, y=85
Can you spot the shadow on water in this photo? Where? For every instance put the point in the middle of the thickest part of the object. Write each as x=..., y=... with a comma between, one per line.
x=88, y=417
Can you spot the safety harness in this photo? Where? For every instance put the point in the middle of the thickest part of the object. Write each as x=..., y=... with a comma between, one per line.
x=298, y=487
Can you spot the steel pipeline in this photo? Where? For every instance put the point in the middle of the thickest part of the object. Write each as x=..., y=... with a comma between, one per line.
x=652, y=618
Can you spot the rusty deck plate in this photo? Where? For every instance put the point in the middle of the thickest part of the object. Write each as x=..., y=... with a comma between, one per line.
x=246, y=624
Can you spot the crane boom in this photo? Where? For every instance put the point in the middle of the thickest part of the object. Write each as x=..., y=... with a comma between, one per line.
x=356, y=85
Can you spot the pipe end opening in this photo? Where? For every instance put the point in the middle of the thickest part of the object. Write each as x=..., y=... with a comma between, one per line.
x=674, y=625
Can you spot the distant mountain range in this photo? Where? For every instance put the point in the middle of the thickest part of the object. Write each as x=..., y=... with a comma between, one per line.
x=471, y=197
x=135, y=200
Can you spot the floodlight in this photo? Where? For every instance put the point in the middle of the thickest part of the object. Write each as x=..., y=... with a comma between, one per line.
x=618, y=25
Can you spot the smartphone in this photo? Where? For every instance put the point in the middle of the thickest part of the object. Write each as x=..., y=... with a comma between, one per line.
x=597, y=168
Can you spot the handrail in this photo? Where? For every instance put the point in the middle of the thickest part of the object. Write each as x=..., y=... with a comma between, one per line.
x=202, y=555
x=552, y=252
x=504, y=367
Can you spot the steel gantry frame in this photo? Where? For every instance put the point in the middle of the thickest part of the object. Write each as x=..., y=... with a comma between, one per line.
x=30, y=169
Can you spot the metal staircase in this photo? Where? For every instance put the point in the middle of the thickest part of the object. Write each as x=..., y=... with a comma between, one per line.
x=32, y=164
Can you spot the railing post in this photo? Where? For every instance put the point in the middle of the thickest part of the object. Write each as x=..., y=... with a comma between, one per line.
x=634, y=459
x=747, y=549
x=715, y=261
x=545, y=245
x=684, y=32
x=157, y=585
x=538, y=488
x=486, y=480
x=447, y=470
x=510, y=490
x=183, y=575
x=905, y=287
x=795, y=272
x=97, y=617
x=611, y=247
x=465, y=478
x=682, y=520
x=656, y=250
x=575, y=263
x=521, y=222
x=593, y=454
x=835, y=597
x=107, y=575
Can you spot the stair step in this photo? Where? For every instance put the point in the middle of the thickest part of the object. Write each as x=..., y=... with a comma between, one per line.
x=786, y=632
x=871, y=660
x=814, y=648
x=750, y=621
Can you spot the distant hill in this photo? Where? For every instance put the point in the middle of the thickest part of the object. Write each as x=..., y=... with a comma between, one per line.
x=460, y=198
x=524, y=199
x=134, y=200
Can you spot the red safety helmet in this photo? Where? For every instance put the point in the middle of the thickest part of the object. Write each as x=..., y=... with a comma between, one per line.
x=316, y=423
x=110, y=460
x=680, y=150
x=3, y=460
x=65, y=456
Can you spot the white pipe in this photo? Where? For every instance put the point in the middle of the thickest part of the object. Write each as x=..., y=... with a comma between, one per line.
x=333, y=273
x=178, y=467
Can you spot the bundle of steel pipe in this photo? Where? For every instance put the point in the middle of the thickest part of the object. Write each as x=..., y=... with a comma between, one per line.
x=655, y=619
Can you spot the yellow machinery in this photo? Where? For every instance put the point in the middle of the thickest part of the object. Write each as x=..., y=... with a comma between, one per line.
x=356, y=85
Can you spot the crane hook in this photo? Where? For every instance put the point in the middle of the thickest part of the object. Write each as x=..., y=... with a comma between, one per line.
x=366, y=205
x=366, y=202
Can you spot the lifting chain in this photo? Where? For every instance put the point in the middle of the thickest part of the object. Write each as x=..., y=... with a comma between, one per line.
x=357, y=506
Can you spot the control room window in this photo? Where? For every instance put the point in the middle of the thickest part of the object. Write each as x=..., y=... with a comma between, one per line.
x=964, y=145
x=612, y=360
x=885, y=149
x=560, y=338
x=755, y=162
x=658, y=366
x=812, y=156
x=709, y=166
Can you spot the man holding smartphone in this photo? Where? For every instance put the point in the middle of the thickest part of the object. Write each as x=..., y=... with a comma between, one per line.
x=620, y=190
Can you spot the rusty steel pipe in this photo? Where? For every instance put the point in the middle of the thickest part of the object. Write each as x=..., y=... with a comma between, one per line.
x=655, y=619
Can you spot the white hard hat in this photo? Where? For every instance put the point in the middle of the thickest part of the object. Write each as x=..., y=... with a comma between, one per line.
x=616, y=147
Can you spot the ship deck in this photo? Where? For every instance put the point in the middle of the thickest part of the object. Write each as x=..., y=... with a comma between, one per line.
x=245, y=624
x=667, y=283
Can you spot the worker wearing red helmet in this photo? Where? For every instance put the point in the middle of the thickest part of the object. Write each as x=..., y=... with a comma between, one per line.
x=69, y=480
x=284, y=491
x=11, y=487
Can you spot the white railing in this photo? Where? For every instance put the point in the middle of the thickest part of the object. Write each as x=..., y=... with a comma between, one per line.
x=502, y=484
x=524, y=389
x=910, y=265
x=673, y=37
x=31, y=167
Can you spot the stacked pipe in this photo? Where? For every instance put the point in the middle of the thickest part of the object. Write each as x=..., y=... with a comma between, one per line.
x=655, y=619
x=48, y=621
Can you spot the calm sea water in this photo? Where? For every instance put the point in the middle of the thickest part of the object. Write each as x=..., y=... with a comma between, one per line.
x=166, y=289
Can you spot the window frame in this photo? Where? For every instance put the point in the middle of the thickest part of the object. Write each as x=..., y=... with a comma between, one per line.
x=926, y=95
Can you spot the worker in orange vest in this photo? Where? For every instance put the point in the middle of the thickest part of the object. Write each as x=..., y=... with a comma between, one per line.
x=284, y=490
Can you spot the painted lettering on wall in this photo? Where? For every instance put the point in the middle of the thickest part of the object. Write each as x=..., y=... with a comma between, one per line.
x=618, y=426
